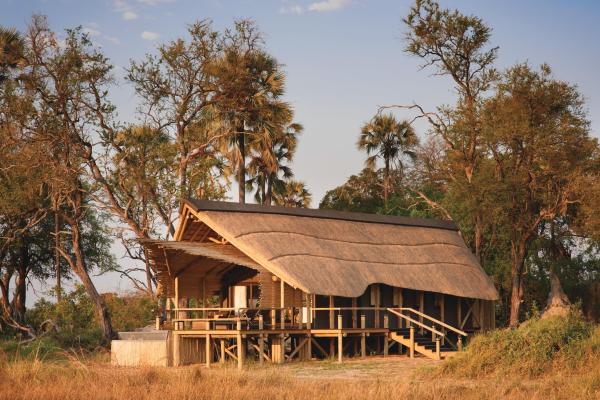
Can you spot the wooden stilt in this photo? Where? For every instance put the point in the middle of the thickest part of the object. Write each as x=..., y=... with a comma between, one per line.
x=340, y=338
x=363, y=337
x=421, y=307
x=239, y=347
x=261, y=339
x=176, y=350
x=208, y=352
x=386, y=325
x=222, y=359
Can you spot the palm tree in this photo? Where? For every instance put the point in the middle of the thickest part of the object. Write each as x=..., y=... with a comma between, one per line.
x=390, y=140
x=11, y=51
x=271, y=153
x=250, y=85
x=292, y=194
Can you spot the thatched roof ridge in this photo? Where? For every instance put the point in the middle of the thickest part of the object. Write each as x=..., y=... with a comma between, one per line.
x=208, y=205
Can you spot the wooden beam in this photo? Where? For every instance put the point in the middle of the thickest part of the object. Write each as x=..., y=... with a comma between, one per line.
x=318, y=347
x=363, y=337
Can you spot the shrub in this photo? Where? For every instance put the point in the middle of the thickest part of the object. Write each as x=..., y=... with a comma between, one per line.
x=529, y=350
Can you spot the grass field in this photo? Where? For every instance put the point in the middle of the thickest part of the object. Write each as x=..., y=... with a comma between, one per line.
x=546, y=359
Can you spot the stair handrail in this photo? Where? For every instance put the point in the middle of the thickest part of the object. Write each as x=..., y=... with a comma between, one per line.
x=409, y=319
x=434, y=320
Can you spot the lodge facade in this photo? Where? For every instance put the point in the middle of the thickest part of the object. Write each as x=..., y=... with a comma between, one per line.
x=274, y=284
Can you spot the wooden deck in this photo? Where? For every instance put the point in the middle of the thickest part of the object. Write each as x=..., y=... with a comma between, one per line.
x=242, y=338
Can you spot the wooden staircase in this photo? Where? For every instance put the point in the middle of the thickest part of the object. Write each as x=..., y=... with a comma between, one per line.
x=430, y=341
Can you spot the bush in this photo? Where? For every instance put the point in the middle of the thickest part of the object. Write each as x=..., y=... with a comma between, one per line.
x=530, y=350
x=72, y=322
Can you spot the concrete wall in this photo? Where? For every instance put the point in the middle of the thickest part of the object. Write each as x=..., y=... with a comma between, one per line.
x=134, y=352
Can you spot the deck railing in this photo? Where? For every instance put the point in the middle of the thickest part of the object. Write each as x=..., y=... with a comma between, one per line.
x=207, y=318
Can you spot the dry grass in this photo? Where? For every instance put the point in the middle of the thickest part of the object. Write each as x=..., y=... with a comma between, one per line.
x=545, y=359
x=373, y=379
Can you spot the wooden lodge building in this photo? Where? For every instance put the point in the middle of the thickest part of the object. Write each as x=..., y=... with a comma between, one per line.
x=274, y=284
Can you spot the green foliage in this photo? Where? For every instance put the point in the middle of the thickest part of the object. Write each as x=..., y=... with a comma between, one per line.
x=530, y=350
x=72, y=323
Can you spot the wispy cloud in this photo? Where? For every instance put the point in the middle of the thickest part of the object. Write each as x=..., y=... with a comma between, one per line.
x=291, y=9
x=328, y=5
x=147, y=35
x=316, y=6
x=155, y=2
x=92, y=29
x=126, y=11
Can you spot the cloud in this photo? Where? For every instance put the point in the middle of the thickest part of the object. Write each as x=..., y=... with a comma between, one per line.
x=155, y=2
x=146, y=35
x=112, y=39
x=328, y=5
x=126, y=11
x=292, y=9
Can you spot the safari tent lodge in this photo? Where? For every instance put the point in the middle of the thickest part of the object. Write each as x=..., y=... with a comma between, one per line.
x=274, y=284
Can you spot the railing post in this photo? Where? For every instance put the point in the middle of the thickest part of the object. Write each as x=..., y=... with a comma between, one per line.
x=340, y=337
x=261, y=340
x=273, y=319
x=432, y=332
x=437, y=348
x=460, y=343
x=283, y=318
x=386, y=325
x=411, y=349
x=363, y=337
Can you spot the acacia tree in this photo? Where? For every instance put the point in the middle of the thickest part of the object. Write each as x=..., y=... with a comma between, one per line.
x=537, y=133
x=391, y=141
x=456, y=45
x=66, y=79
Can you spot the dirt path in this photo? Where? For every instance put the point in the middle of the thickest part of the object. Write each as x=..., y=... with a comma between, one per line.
x=372, y=368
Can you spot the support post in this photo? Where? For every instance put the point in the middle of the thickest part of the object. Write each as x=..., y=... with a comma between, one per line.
x=176, y=350
x=363, y=337
x=421, y=307
x=222, y=359
x=239, y=347
x=340, y=338
x=208, y=352
x=377, y=295
x=261, y=339
x=176, y=325
x=438, y=354
x=386, y=325
x=354, y=319
x=459, y=343
x=282, y=303
x=412, y=341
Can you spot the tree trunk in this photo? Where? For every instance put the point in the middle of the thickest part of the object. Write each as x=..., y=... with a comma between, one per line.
x=21, y=283
x=518, y=251
x=79, y=267
x=478, y=236
x=386, y=182
x=269, y=196
x=57, y=255
x=241, y=140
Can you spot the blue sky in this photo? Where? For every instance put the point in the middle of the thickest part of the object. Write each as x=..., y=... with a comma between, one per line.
x=343, y=58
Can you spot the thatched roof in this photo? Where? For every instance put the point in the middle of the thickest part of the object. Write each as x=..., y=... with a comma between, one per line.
x=339, y=253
